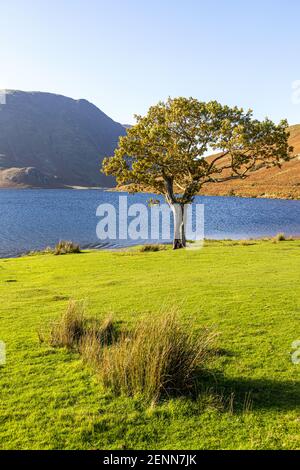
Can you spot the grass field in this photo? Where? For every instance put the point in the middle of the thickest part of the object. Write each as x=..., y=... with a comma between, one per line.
x=248, y=293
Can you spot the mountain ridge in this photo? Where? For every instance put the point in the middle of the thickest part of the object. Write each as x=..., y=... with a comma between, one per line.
x=50, y=140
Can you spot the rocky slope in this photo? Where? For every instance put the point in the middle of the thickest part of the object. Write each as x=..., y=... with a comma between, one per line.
x=49, y=141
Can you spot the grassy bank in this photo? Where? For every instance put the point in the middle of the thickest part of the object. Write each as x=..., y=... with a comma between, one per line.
x=249, y=293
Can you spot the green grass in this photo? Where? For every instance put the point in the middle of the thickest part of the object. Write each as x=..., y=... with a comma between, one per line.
x=248, y=293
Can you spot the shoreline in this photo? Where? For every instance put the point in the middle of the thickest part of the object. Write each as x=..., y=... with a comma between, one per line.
x=124, y=190
x=264, y=196
x=131, y=248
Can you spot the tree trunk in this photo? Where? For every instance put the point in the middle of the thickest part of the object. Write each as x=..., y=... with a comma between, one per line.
x=179, y=212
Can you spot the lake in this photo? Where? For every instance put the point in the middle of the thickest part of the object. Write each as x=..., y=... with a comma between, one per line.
x=34, y=219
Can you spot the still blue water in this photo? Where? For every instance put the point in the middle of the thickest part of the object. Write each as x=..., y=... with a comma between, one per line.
x=34, y=219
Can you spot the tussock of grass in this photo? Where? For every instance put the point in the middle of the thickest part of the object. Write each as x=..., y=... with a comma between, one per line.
x=48, y=250
x=280, y=237
x=159, y=358
x=152, y=247
x=96, y=336
x=66, y=247
x=62, y=248
x=70, y=328
x=75, y=331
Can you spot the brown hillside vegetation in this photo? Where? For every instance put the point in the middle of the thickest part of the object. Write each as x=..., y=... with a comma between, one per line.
x=281, y=183
x=275, y=182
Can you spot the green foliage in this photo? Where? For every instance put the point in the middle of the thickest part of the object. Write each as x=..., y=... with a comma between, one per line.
x=164, y=151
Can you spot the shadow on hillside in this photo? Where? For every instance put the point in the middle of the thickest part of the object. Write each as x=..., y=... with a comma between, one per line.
x=254, y=394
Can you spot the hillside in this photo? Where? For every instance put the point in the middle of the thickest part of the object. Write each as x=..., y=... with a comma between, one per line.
x=281, y=182
x=49, y=140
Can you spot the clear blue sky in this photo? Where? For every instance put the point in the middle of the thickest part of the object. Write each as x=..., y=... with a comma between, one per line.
x=124, y=55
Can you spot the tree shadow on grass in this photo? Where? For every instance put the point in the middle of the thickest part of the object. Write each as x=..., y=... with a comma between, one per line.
x=244, y=394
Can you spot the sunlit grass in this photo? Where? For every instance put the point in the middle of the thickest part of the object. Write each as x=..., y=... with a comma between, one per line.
x=248, y=292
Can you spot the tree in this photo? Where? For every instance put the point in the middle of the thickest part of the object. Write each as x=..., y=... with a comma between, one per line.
x=165, y=152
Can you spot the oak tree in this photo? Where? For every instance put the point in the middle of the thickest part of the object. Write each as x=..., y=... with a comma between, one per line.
x=166, y=151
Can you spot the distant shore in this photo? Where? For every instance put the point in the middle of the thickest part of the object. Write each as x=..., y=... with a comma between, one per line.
x=250, y=195
x=228, y=194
